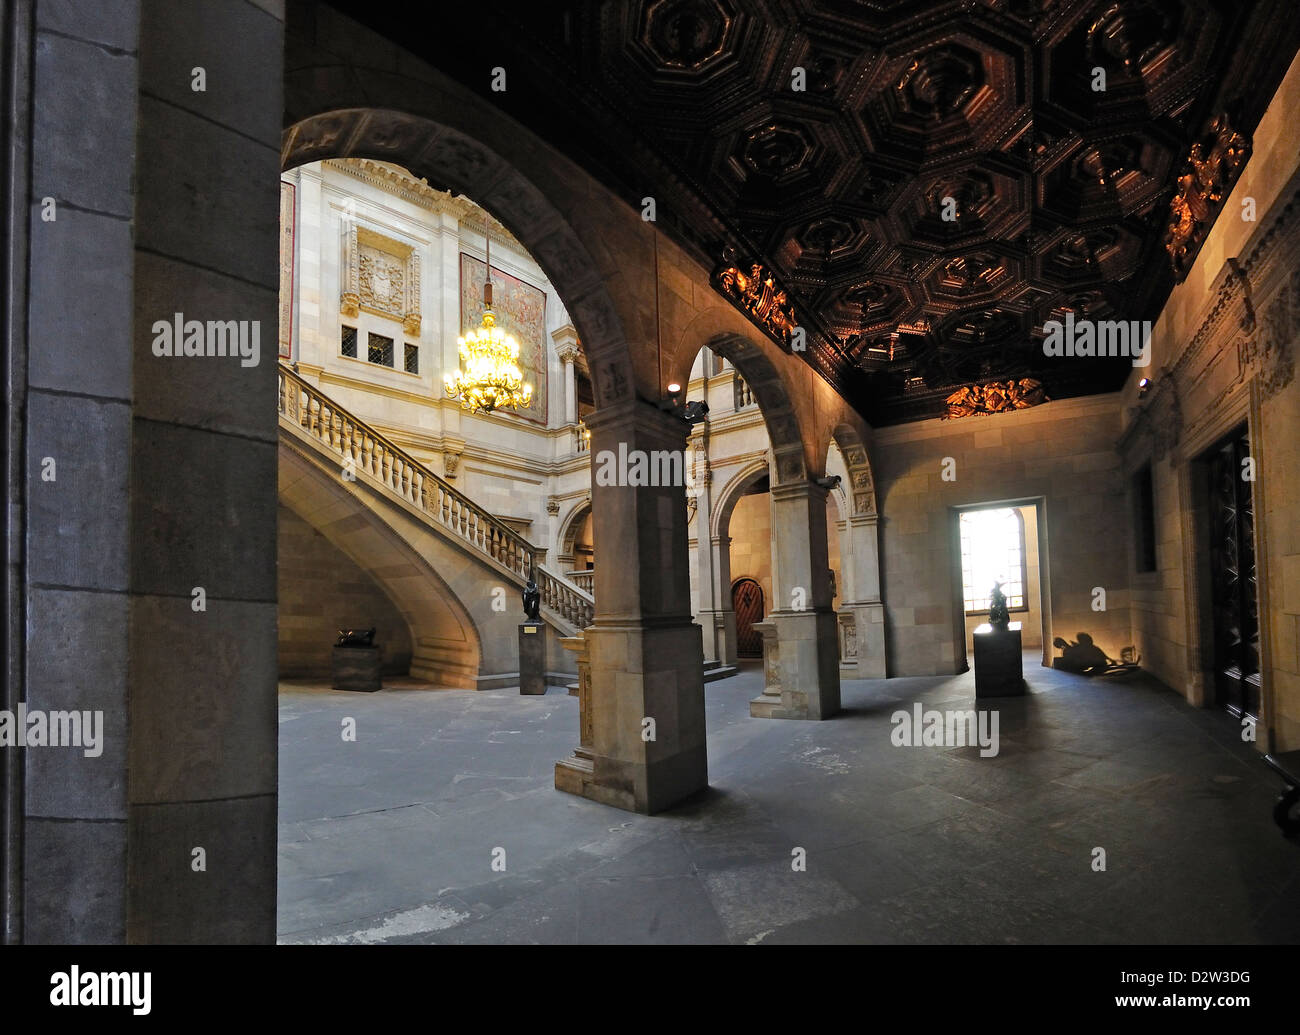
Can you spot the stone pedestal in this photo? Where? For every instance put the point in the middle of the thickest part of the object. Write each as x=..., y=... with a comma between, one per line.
x=357, y=668
x=575, y=772
x=532, y=658
x=999, y=670
x=800, y=676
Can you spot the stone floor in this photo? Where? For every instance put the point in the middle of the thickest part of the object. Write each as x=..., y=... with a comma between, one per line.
x=391, y=838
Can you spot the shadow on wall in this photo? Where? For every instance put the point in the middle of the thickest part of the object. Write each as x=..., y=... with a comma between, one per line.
x=1085, y=658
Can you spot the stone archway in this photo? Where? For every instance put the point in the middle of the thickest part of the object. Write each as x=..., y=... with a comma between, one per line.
x=717, y=615
x=800, y=634
x=861, y=609
x=569, y=529
x=642, y=609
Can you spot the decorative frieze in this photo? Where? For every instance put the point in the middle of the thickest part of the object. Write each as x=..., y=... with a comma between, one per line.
x=996, y=397
x=752, y=289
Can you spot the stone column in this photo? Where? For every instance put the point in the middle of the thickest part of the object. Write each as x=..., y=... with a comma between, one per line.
x=566, y=347
x=864, y=596
x=724, y=619
x=645, y=652
x=803, y=666
x=706, y=582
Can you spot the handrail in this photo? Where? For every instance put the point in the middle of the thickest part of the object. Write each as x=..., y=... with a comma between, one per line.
x=373, y=454
x=584, y=580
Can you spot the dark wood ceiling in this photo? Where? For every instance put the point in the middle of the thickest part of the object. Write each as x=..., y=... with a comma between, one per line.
x=1061, y=192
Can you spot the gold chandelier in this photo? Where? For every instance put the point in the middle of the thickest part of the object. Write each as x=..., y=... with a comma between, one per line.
x=489, y=377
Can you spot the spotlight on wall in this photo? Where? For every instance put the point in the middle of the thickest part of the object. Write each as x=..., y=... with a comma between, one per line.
x=830, y=481
x=1144, y=386
x=669, y=402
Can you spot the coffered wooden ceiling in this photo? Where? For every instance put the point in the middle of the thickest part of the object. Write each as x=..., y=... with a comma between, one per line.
x=1061, y=192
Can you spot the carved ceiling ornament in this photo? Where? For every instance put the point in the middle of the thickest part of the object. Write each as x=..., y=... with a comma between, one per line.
x=380, y=275
x=752, y=289
x=996, y=397
x=1212, y=168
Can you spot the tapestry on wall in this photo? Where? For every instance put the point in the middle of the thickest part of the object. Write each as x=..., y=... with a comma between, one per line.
x=286, y=269
x=521, y=310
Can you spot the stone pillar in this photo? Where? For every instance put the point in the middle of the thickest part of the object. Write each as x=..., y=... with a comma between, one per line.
x=645, y=651
x=724, y=618
x=803, y=668
x=706, y=582
x=566, y=347
x=864, y=596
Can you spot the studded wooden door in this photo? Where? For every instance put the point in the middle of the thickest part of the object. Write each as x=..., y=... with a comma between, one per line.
x=747, y=602
x=1232, y=560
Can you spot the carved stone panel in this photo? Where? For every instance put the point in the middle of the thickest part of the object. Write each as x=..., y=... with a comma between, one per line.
x=380, y=275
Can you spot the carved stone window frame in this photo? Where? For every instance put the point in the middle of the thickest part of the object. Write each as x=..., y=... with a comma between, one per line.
x=355, y=296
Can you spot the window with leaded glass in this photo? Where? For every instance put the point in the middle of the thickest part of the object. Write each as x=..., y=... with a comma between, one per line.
x=380, y=349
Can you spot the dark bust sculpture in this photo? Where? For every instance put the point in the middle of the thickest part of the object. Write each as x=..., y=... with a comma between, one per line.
x=998, y=616
x=355, y=638
x=532, y=599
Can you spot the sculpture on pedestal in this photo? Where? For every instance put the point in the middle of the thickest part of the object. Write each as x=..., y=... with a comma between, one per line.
x=355, y=638
x=998, y=616
x=532, y=599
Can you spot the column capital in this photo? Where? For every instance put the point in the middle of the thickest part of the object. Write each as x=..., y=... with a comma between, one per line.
x=799, y=490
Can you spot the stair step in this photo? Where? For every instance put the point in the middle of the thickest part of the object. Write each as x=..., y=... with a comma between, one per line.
x=715, y=670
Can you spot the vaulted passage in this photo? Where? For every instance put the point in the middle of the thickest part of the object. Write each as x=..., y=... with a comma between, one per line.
x=796, y=460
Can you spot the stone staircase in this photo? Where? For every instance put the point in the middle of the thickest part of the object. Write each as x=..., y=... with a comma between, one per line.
x=363, y=452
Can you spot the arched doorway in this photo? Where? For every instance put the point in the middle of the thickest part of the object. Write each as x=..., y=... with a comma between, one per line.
x=747, y=601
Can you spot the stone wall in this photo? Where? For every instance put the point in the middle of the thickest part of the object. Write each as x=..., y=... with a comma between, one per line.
x=320, y=591
x=1223, y=355
x=1061, y=452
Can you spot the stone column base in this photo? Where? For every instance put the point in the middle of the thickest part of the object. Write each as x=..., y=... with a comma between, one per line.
x=800, y=666
x=639, y=671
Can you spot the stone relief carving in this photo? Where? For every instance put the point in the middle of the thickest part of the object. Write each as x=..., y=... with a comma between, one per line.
x=380, y=275
x=1270, y=351
x=552, y=505
x=450, y=461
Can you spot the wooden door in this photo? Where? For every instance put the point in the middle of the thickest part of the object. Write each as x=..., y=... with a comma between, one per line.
x=1232, y=564
x=747, y=602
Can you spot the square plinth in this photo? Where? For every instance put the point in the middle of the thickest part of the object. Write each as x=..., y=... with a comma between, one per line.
x=999, y=666
x=532, y=658
x=357, y=668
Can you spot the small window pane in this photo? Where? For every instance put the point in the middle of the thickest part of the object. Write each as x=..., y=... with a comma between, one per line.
x=412, y=359
x=992, y=551
x=348, y=342
x=381, y=350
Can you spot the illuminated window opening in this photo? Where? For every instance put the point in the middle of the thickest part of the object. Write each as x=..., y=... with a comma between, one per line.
x=992, y=550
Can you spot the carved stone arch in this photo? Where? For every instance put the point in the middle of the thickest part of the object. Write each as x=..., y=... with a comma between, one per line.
x=733, y=491
x=454, y=160
x=861, y=488
x=570, y=524
x=773, y=397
